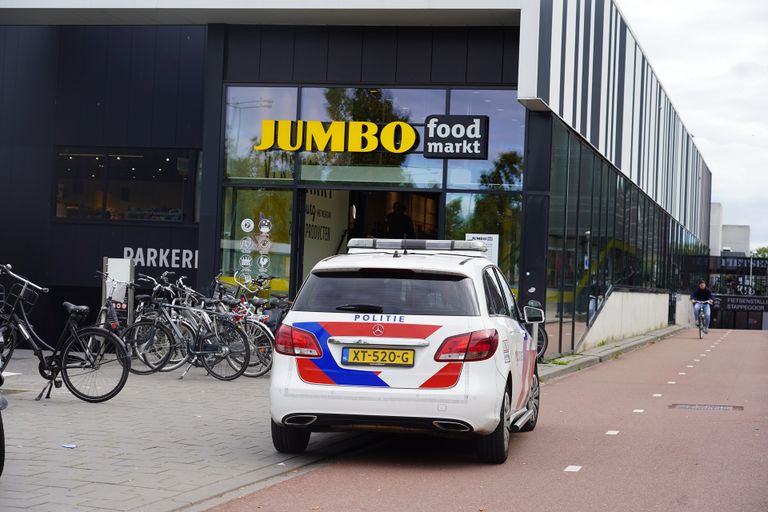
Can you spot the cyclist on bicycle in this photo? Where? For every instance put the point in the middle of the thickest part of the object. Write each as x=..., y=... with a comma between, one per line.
x=702, y=297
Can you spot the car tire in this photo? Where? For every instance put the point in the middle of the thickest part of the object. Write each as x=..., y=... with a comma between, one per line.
x=288, y=439
x=494, y=448
x=534, y=402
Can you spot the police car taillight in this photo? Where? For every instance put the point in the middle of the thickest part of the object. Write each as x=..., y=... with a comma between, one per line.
x=296, y=342
x=470, y=346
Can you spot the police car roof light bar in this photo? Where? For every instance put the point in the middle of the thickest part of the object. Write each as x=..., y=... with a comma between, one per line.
x=423, y=245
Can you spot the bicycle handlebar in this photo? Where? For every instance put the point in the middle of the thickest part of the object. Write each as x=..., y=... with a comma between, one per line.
x=7, y=269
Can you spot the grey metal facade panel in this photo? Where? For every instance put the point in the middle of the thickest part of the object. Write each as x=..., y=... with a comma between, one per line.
x=345, y=55
x=373, y=55
x=485, y=55
x=379, y=55
x=449, y=55
x=594, y=75
x=243, y=53
x=310, y=58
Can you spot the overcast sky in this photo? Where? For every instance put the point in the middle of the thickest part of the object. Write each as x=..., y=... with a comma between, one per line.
x=712, y=59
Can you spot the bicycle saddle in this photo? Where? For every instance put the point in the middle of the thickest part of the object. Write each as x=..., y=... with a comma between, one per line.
x=75, y=310
x=258, y=302
x=143, y=298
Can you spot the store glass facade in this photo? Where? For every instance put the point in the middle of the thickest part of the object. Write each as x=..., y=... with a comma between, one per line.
x=604, y=231
x=317, y=193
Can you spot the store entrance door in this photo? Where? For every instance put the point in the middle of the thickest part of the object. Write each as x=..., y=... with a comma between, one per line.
x=332, y=217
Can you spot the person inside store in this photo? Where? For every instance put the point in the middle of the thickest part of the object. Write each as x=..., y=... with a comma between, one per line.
x=399, y=224
x=702, y=297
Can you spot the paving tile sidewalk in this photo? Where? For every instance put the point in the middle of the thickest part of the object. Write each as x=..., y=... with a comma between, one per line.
x=164, y=444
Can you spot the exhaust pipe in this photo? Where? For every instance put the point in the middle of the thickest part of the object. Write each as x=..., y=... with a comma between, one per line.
x=451, y=426
x=522, y=421
x=300, y=420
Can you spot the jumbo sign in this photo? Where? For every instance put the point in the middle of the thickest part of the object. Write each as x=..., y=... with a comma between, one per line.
x=445, y=136
x=337, y=136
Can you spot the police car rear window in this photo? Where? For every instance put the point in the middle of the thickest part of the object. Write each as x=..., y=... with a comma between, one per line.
x=388, y=292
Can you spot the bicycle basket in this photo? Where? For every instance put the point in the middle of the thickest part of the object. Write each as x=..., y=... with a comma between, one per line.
x=27, y=299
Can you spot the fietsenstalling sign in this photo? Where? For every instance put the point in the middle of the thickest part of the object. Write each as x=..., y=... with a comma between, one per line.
x=456, y=137
x=444, y=136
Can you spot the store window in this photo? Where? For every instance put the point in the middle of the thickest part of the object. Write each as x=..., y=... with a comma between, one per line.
x=488, y=214
x=379, y=106
x=256, y=235
x=504, y=167
x=121, y=184
x=246, y=108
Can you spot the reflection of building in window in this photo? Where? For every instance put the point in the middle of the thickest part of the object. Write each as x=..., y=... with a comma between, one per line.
x=125, y=184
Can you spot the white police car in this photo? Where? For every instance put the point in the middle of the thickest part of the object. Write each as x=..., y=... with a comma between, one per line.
x=405, y=335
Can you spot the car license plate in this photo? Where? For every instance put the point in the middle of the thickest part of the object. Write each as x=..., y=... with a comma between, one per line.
x=377, y=356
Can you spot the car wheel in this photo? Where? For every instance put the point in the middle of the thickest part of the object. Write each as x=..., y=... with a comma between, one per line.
x=289, y=440
x=494, y=448
x=534, y=401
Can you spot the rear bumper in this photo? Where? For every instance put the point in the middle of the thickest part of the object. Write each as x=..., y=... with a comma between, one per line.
x=329, y=422
x=471, y=406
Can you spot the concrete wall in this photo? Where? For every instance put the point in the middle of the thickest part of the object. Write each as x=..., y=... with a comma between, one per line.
x=684, y=311
x=736, y=238
x=627, y=314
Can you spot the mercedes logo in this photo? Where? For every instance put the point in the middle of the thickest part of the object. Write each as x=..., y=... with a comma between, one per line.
x=378, y=330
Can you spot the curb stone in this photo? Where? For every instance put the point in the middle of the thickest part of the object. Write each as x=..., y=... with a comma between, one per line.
x=593, y=356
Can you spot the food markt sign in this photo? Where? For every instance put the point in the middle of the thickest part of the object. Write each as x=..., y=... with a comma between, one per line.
x=444, y=136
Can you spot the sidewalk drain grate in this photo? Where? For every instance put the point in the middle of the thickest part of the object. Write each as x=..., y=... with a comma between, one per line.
x=707, y=407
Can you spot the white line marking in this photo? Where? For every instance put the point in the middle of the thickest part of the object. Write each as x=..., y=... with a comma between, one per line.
x=572, y=469
x=639, y=410
x=708, y=350
x=697, y=360
x=612, y=433
x=690, y=366
x=671, y=382
x=681, y=373
x=657, y=395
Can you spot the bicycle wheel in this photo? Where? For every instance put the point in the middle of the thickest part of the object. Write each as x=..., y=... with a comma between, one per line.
x=701, y=323
x=7, y=346
x=226, y=351
x=262, y=344
x=94, y=364
x=179, y=348
x=149, y=345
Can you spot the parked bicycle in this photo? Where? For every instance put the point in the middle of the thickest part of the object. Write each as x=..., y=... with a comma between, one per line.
x=148, y=348
x=91, y=361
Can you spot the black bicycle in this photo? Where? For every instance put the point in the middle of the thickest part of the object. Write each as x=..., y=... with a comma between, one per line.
x=91, y=361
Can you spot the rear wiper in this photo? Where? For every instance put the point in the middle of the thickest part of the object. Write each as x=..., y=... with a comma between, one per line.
x=363, y=308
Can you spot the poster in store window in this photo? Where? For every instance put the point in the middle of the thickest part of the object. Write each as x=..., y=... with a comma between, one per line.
x=325, y=223
x=491, y=241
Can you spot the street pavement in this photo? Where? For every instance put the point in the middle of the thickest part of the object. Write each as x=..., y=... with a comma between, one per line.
x=166, y=444
x=679, y=426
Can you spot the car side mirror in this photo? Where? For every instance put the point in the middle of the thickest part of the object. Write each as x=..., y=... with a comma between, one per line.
x=533, y=315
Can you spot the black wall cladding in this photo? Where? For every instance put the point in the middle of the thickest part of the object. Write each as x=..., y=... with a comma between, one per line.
x=139, y=86
x=373, y=55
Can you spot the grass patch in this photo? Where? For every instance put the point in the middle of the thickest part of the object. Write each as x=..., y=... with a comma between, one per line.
x=561, y=362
